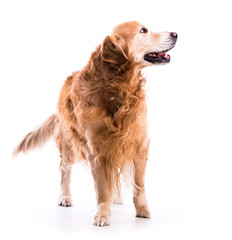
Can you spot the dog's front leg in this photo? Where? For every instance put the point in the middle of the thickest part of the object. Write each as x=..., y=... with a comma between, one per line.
x=102, y=182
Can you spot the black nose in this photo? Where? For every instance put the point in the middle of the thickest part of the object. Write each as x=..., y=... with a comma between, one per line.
x=174, y=35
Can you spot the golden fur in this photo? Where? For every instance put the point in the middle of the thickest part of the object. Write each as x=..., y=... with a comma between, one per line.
x=101, y=117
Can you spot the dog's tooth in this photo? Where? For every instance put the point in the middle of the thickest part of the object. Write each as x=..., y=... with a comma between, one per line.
x=152, y=55
x=166, y=55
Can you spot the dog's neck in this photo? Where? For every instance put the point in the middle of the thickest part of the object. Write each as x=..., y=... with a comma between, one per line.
x=97, y=71
x=111, y=87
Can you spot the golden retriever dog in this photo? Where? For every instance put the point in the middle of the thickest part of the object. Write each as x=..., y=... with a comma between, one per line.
x=101, y=116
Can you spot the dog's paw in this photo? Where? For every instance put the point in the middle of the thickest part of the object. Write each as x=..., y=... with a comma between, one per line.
x=118, y=201
x=65, y=201
x=101, y=220
x=142, y=212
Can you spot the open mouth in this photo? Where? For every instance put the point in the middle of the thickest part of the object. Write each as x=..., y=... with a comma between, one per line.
x=157, y=57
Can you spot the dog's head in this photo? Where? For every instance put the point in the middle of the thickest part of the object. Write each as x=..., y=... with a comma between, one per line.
x=131, y=41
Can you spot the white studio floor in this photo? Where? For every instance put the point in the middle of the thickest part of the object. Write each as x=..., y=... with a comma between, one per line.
x=31, y=188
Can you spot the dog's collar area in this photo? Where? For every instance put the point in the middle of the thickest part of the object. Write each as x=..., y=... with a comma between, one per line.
x=157, y=57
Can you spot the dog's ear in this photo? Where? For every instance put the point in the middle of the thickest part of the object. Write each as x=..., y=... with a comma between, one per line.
x=114, y=50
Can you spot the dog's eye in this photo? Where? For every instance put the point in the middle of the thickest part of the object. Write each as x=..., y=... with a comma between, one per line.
x=143, y=30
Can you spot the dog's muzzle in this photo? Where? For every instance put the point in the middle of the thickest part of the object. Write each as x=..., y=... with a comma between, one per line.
x=162, y=56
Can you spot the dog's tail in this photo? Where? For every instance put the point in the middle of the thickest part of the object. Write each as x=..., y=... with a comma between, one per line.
x=37, y=137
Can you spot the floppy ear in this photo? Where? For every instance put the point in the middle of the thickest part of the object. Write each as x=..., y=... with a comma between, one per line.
x=114, y=50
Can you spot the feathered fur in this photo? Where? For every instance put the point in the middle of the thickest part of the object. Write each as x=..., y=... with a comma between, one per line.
x=37, y=137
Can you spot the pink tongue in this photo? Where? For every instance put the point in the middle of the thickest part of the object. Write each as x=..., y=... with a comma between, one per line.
x=163, y=54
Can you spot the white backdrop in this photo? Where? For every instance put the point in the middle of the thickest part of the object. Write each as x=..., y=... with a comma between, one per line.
x=188, y=179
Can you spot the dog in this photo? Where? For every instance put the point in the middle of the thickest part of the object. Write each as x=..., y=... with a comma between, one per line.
x=101, y=116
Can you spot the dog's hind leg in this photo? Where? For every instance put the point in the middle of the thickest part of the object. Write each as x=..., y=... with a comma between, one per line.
x=65, y=198
x=117, y=198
